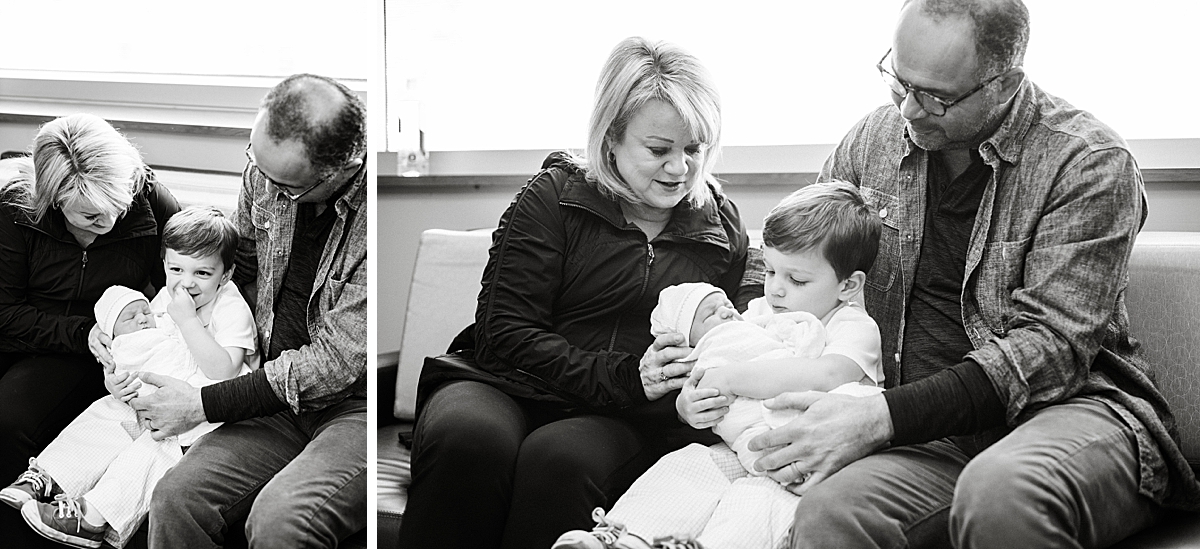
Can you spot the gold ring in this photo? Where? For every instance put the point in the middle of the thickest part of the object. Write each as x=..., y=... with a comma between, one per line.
x=662, y=375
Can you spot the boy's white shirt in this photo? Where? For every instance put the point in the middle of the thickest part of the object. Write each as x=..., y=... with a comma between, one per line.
x=854, y=334
x=163, y=350
x=231, y=322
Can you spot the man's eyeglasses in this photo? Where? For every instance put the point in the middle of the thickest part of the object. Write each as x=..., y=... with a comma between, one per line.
x=930, y=103
x=277, y=186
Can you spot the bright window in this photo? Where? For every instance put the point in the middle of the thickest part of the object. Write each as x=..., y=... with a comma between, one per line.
x=485, y=75
x=214, y=37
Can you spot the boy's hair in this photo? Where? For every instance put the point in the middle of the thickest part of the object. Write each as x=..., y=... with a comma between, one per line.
x=831, y=215
x=202, y=231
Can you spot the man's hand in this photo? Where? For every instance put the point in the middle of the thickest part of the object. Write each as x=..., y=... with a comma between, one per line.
x=99, y=344
x=701, y=408
x=832, y=432
x=174, y=408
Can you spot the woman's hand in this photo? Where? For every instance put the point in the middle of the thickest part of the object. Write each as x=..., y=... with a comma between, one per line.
x=660, y=373
x=701, y=408
x=99, y=344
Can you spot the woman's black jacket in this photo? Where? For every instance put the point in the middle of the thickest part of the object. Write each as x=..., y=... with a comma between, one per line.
x=49, y=284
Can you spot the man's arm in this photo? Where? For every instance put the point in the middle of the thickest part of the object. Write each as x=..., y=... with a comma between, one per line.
x=245, y=273
x=1074, y=266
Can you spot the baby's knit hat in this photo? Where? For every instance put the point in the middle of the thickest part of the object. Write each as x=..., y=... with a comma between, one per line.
x=111, y=302
x=677, y=308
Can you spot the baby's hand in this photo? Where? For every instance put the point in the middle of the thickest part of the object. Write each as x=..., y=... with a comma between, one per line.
x=122, y=385
x=182, y=307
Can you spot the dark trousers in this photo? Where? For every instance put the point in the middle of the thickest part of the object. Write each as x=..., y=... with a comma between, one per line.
x=1068, y=477
x=297, y=480
x=39, y=396
x=492, y=471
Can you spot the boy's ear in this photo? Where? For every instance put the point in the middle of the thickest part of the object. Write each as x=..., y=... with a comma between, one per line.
x=852, y=286
x=228, y=274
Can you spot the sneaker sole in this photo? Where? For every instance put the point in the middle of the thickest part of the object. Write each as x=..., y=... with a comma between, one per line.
x=35, y=522
x=16, y=501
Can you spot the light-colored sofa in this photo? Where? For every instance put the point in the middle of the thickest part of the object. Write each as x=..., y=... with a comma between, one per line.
x=1164, y=308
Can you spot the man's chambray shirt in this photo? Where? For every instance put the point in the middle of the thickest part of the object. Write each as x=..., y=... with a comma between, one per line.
x=1046, y=272
x=333, y=366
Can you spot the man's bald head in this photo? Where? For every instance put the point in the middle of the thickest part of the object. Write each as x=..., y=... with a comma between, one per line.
x=1001, y=29
x=321, y=113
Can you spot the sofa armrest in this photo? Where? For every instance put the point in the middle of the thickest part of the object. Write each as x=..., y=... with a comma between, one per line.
x=386, y=368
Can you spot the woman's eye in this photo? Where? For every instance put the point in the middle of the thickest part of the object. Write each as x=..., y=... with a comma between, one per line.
x=692, y=151
x=656, y=151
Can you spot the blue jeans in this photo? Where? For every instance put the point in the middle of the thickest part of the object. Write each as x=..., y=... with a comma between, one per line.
x=297, y=480
x=1067, y=477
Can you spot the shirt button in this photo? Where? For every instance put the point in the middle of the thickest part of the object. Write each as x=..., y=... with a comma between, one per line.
x=883, y=213
x=897, y=357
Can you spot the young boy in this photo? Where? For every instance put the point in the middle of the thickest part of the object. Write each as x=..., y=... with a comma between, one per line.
x=93, y=482
x=805, y=334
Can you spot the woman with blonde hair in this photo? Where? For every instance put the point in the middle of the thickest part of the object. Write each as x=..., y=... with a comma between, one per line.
x=556, y=403
x=81, y=214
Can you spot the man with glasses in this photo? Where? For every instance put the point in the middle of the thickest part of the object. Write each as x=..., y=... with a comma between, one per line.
x=291, y=457
x=1018, y=413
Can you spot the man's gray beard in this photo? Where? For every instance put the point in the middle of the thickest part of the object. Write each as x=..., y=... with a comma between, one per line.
x=990, y=122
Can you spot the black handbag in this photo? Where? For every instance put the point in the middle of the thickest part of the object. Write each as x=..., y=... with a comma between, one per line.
x=458, y=363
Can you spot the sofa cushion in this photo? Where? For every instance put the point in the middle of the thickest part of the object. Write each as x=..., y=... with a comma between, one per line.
x=441, y=302
x=1164, y=314
x=392, y=480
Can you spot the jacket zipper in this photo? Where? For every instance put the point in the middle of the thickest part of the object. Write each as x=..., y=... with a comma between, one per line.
x=82, y=274
x=612, y=341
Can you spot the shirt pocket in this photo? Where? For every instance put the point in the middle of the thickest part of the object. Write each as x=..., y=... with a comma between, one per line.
x=1001, y=272
x=887, y=261
x=262, y=216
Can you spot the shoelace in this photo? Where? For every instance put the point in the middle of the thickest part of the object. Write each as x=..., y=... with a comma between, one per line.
x=68, y=508
x=671, y=542
x=36, y=478
x=607, y=532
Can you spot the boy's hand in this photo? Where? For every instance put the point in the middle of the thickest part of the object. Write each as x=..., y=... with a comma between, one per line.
x=182, y=307
x=720, y=379
x=122, y=385
x=700, y=408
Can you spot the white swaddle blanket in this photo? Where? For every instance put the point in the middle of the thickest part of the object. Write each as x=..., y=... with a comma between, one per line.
x=784, y=335
x=162, y=351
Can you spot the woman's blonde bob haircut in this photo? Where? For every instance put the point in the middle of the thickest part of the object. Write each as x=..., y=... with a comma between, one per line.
x=78, y=159
x=638, y=71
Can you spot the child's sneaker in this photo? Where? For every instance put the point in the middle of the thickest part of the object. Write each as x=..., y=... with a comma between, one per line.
x=606, y=535
x=33, y=485
x=62, y=521
x=676, y=542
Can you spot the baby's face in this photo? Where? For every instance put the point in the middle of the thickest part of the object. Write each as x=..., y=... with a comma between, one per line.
x=135, y=316
x=714, y=310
